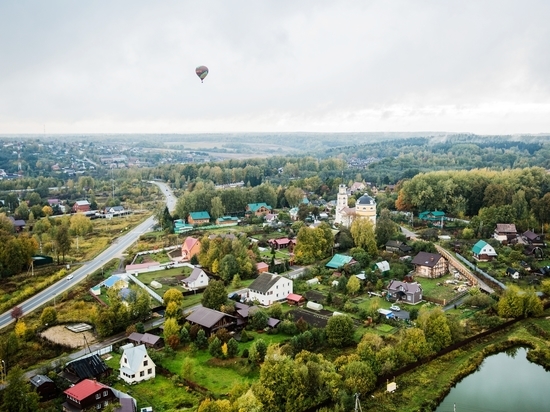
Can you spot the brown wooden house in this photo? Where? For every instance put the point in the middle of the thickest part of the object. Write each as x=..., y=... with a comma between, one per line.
x=88, y=395
x=89, y=367
x=148, y=339
x=44, y=387
x=211, y=320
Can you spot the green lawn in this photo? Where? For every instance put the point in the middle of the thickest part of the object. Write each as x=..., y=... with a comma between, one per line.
x=433, y=290
x=218, y=376
x=162, y=392
x=166, y=277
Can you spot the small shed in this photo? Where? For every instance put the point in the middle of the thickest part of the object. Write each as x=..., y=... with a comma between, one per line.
x=513, y=273
x=312, y=281
x=155, y=285
x=295, y=299
x=314, y=306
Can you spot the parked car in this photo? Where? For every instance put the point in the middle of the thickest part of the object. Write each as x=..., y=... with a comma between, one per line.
x=395, y=308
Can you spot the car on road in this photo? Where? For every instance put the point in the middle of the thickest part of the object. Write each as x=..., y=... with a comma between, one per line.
x=69, y=277
x=395, y=308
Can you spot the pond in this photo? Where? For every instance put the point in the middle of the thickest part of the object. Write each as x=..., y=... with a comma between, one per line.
x=506, y=382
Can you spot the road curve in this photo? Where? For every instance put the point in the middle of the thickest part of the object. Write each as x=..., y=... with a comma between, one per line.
x=118, y=246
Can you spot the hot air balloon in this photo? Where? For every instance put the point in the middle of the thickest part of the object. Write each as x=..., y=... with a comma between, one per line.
x=202, y=72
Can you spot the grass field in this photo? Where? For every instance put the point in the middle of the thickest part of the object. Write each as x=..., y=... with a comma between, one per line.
x=218, y=376
x=437, y=288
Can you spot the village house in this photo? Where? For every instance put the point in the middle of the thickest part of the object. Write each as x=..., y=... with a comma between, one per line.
x=87, y=395
x=136, y=365
x=148, y=339
x=89, y=367
x=114, y=210
x=81, y=206
x=357, y=187
x=198, y=279
x=211, y=320
x=271, y=219
x=190, y=247
x=339, y=261
x=429, y=265
x=396, y=246
x=294, y=299
x=483, y=251
x=44, y=387
x=115, y=282
x=406, y=292
x=198, y=218
x=282, y=243
x=268, y=288
x=227, y=221
x=258, y=209
x=505, y=233
x=262, y=267
x=533, y=239
x=437, y=217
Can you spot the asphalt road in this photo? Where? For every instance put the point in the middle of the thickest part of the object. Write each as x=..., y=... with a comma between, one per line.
x=118, y=246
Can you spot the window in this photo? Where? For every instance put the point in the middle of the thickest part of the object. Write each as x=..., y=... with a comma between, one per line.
x=145, y=363
x=149, y=371
x=142, y=373
x=97, y=395
x=98, y=406
x=105, y=393
x=105, y=403
x=125, y=360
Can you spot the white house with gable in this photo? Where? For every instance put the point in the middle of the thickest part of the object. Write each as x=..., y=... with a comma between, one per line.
x=268, y=288
x=198, y=279
x=136, y=365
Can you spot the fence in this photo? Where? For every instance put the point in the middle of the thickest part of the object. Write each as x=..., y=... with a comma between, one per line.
x=146, y=288
x=487, y=277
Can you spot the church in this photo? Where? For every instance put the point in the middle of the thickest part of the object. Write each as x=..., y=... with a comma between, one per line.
x=365, y=207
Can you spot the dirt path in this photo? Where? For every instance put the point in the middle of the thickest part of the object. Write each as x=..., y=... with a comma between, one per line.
x=60, y=334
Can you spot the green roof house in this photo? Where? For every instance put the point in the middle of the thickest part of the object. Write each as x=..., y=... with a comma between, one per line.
x=338, y=261
x=197, y=218
x=258, y=209
x=435, y=215
x=483, y=251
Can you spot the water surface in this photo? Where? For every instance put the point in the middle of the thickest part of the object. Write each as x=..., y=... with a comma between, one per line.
x=506, y=382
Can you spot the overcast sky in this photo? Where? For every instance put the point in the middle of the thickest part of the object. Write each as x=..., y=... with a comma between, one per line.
x=327, y=66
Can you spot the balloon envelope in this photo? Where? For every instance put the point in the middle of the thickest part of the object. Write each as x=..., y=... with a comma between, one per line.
x=202, y=72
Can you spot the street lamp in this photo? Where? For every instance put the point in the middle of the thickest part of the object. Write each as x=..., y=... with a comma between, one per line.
x=3, y=370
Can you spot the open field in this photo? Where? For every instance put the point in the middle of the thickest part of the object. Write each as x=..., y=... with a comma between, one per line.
x=437, y=288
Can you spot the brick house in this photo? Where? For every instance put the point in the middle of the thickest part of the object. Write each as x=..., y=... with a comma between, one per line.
x=258, y=209
x=429, y=265
x=81, y=206
x=198, y=218
x=190, y=247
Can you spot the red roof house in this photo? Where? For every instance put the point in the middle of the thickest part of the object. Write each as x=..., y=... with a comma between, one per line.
x=191, y=246
x=262, y=267
x=88, y=394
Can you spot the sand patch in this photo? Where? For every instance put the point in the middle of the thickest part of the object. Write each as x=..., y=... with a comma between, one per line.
x=60, y=334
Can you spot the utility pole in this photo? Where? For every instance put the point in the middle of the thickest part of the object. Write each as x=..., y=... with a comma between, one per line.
x=357, y=404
